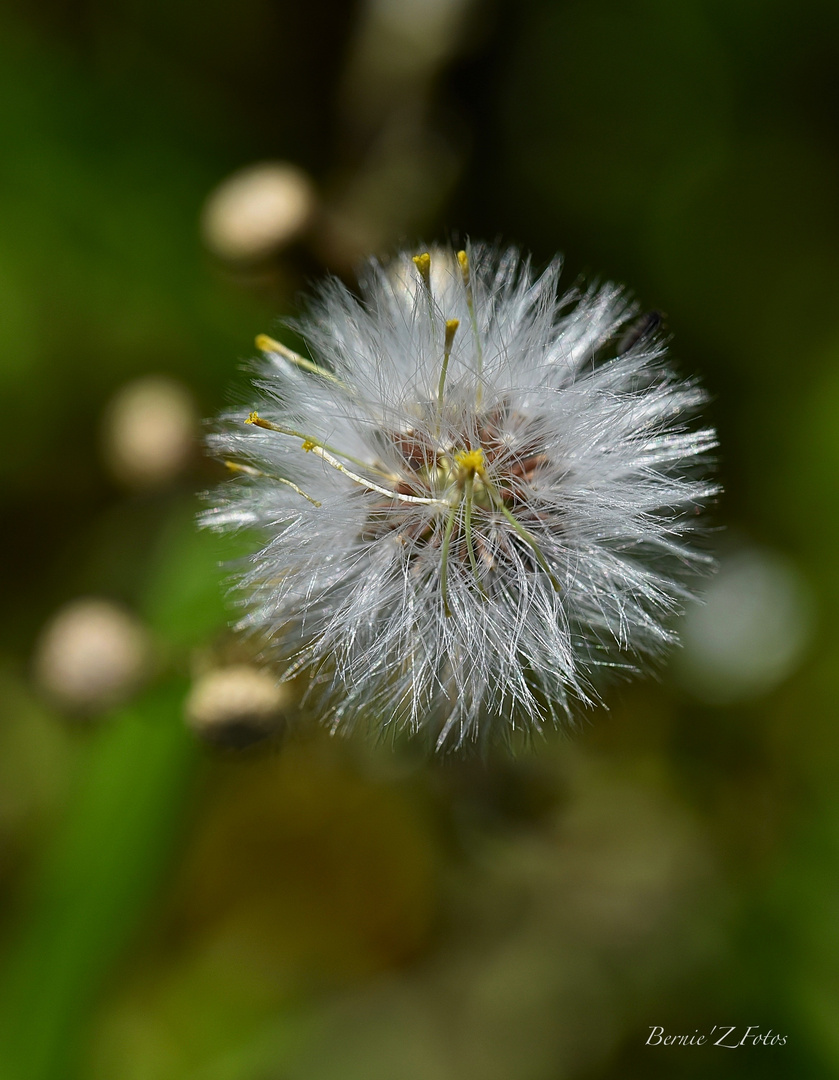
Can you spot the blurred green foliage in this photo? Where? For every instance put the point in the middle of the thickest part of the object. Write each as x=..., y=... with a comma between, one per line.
x=324, y=908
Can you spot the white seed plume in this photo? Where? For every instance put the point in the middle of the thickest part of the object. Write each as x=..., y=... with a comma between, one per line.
x=475, y=498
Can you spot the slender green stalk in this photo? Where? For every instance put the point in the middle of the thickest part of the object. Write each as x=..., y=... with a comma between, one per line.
x=330, y=455
x=310, y=443
x=463, y=260
x=423, y=265
x=467, y=529
x=444, y=558
x=451, y=330
x=248, y=470
x=268, y=344
x=525, y=535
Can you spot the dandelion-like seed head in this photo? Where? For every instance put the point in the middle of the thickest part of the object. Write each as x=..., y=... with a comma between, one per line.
x=476, y=498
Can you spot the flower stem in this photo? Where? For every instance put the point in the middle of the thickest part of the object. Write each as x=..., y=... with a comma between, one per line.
x=467, y=528
x=248, y=470
x=268, y=344
x=465, y=270
x=451, y=330
x=330, y=455
x=525, y=535
x=444, y=558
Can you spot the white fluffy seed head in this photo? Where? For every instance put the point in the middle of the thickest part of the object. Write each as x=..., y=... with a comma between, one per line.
x=475, y=499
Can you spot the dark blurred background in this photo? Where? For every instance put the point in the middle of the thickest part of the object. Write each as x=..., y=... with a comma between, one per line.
x=172, y=177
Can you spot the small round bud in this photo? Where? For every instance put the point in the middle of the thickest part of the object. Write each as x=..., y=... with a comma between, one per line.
x=149, y=432
x=257, y=211
x=752, y=630
x=91, y=655
x=236, y=705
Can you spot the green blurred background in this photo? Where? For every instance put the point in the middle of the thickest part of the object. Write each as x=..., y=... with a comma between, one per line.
x=323, y=909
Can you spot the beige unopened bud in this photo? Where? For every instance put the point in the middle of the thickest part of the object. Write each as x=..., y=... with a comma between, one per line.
x=91, y=655
x=257, y=211
x=236, y=705
x=149, y=431
x=752, y=629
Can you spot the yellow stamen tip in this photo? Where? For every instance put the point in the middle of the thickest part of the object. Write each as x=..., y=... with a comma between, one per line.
x=451, y=329
x=257, y=421
x=463, y=260
x=423, y=265
x=267, y=344
x=471, y=461
x=309, y=445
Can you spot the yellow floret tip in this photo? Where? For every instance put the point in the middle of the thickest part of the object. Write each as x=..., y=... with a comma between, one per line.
x=423, y=265
x=267, y=344
x=471, y=461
